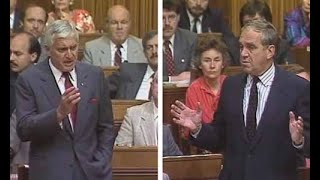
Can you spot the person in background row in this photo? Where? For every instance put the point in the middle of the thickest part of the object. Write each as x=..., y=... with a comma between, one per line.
x=212, y=58
x=15, y=21
x=65, y=112
x=263, y=116
x=179, y=44
x=132, y=80
x=62, y=9
x=140, y=124
x=260, y=9
x=197, y=16
x=34, y=20
x=297, y=25
x=24, y=52
x=117, y=46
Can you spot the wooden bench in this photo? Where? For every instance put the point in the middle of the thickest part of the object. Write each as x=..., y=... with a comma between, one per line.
x=193, y=167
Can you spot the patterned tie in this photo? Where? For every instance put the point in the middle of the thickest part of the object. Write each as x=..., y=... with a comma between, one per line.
x=68, y=84
x=195, y=21
x=117, y=56
x=169, y=58
x=251, y=127
x=150, y=89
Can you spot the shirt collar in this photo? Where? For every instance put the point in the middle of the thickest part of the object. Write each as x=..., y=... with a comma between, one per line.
x=266, y=78
x=172, y=40
x=57, y=73
x=12, y=15
x=149, y=71
x=191, y=18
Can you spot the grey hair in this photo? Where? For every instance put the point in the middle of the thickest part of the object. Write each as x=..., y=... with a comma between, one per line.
x=268, y=31
x=60, y=29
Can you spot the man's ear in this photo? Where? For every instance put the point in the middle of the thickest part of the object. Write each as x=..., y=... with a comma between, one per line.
x=34, y=57
x=271, y=51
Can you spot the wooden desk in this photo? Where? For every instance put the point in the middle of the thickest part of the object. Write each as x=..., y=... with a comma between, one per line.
x=193, y=167
x=131, y=163
x=302, y=57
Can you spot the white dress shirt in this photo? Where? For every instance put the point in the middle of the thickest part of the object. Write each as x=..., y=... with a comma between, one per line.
x=155, y=113
x=11, y=20
x=124, y=50
x=60, y=82
x=143, y=92
x=191, y=20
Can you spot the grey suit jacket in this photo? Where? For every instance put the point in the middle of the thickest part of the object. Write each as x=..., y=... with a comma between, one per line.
x=60, y=153
x=185, y=43
x=98, y=52
x=138, y=126
x=125, y=83
x=170, y=147
x=21, y=149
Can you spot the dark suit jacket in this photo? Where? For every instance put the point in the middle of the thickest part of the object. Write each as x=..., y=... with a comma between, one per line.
x=55, y=152
x=213, y=21
x=170, y=148
x=185, y=43
x=13, y=78
x=125, y=83
x=270, y=155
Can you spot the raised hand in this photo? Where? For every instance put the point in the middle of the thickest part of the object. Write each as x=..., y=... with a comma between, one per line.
x=68, y=100
x=296, y=128
x=185, y=116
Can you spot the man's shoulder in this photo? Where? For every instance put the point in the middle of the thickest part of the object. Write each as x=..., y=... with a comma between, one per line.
x=139, y=108
x=186, y=34
x=135, y=39
x=97, y=42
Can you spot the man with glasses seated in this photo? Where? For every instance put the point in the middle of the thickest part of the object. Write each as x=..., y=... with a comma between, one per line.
x=118, y=45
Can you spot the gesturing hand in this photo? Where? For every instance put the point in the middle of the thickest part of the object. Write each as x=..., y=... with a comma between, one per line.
x=296, y=128
x=186, y=117
x=68, y=100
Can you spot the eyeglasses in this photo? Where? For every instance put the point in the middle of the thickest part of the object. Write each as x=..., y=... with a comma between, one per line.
x=150, y=48
x=170, y=18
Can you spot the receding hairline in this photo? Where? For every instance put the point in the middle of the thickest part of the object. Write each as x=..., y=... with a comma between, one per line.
x=117, y=8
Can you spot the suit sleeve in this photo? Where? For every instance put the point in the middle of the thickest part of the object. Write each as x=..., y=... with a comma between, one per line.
x=125, y=134
x=105, y=124
x=113, y=82
x=32, y=126
x=173, y=147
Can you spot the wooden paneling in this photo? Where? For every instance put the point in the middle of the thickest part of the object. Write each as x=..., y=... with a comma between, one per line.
x=144, y=13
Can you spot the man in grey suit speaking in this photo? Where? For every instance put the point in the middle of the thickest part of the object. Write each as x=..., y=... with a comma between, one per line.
x=117, y=46
x=64, y=111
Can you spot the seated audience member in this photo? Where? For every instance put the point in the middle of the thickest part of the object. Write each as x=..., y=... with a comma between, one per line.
x=34, y=20
x=15, y=22
x=198, y=17
x=132, y=81
x=117, y=46
x=260, y=10
x=179, y=44
x=297, y=25
x=80, y=17
x=140, y=124
x=24, y=51
x=212, y=58
x=170, y=147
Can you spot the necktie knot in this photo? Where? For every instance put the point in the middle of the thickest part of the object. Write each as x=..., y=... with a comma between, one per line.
x=118, y=46
x=65, y=74
x=255, y=80
x=167, y=44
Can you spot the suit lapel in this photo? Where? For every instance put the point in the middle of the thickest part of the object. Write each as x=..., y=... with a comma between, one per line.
x=105, y=57
x=51, y=90
x=147, y=124
x=82, y=82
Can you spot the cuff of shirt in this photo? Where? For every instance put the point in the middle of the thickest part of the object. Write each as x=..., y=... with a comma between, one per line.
x=298, y=146
x=195, y=135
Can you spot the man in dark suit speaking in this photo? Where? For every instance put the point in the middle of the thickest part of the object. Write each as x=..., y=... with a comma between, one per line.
x=64, y=110
x=263, y=117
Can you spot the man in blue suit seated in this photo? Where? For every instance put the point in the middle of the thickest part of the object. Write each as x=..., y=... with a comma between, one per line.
x=263, y=116
x=170, y=147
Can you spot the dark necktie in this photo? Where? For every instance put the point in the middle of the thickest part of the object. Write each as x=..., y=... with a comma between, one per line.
x=117, y=56
x=150, y=89
x=251, y=125
x=195, y=21
x=68, y=84
x=169, y=58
